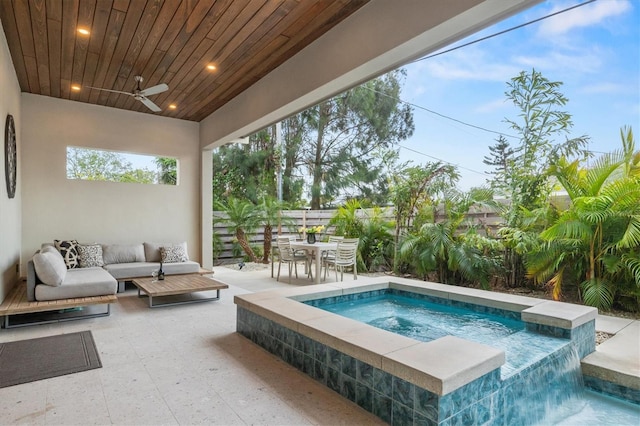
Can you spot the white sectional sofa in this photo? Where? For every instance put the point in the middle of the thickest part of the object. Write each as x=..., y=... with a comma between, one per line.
x=70, y=270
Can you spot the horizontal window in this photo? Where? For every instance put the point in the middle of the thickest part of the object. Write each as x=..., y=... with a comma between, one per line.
x=113, y=166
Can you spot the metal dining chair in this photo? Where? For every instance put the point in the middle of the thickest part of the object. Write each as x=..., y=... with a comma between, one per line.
x=289, y=256
x=345, y=255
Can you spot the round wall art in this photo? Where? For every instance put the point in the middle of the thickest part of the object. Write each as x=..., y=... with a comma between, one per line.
x=10, y=156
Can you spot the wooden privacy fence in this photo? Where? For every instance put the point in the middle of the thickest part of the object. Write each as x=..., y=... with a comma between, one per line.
x=484, y=217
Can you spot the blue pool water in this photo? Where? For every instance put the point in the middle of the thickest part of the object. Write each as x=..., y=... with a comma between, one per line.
x=565, y=400
x=426, y=321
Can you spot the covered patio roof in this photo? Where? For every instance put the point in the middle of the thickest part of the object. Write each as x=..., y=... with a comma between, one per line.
x=274, y=58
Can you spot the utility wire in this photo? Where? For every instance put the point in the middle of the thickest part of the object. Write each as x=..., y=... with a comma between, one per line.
x=468, y=44
x=441, y=115
x=504, y=31
x=441, y=160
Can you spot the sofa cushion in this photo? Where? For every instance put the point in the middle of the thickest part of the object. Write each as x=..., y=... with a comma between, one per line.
x=152, y=250
x=50, y=267
x=80, y=282
x=122, y=253
x=121, y=271
x=173, y=254
x=69, y=251
x=90, y=255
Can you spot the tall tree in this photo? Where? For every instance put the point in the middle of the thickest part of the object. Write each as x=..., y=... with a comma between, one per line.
x=348, y=130
x=246, y=170
x=541, y=122
x=501, y=158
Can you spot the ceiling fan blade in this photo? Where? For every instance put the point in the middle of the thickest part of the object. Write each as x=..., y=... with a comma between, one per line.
x=154, y=90
x=109, y=90
x=153, y=107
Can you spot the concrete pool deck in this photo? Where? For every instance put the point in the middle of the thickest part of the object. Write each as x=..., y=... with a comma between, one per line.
x=616, y=360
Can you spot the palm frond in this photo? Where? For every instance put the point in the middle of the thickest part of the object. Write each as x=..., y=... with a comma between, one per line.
x=568, y=226
x=556, y=284
x=598, y=293
x=633, y=265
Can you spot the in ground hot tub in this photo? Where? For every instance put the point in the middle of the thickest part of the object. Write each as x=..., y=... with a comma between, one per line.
x=406, y=381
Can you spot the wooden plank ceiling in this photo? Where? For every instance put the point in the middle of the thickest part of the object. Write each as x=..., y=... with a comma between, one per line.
x=170, y=41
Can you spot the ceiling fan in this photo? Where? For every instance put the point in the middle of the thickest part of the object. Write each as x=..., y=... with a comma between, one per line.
x=140, y=94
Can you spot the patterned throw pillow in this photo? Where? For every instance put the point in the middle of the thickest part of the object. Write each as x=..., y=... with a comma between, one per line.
x=173, y=254
x=69, y=251
x=90, y=255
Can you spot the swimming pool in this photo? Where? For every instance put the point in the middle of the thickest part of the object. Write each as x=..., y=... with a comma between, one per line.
x=426, y=320
x=402, y=380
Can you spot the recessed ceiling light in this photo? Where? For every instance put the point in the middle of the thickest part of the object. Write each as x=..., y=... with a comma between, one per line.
x=173, y=106
x=83, y=31
x=75, y=87
x=211, y=67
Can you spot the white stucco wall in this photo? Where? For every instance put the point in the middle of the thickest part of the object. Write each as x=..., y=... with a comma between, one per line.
x=105, y=212
x=10, y=209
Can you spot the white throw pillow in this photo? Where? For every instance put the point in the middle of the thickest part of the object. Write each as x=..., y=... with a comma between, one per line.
x=152, y=250
x=90, y=255
x=50, y=267
x=173, y=254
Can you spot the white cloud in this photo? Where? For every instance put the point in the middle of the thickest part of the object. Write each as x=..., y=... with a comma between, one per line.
x=605, y=88
x=492, y=106
x=470, y=65
x=591, y=14
x=586, y=62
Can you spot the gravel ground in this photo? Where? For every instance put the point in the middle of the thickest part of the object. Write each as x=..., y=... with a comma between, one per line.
x=601, y=336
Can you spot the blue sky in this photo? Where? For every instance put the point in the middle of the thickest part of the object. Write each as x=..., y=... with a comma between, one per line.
x=594, y=50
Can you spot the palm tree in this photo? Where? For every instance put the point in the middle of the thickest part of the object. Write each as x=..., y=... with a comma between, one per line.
x=597, y=239
x=242, y=219
x=375, y=250
x=269, y=213
x=454, y=255
x=346, y=220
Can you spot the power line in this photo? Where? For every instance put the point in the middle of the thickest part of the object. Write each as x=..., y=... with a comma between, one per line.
x=441, y=160
x=442, y=115
x=504, y=31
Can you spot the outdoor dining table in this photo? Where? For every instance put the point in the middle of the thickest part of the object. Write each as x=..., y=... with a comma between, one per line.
x=317, y=249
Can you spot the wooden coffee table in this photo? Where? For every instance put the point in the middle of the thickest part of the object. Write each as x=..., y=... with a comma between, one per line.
x=178, y=284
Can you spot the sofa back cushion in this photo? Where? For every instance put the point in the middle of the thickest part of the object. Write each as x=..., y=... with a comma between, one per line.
x=50, y=267
x=122, y=253
x=152, y=250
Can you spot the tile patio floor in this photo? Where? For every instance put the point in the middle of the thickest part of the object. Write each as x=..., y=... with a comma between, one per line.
x=176, y=365
x=186, y=365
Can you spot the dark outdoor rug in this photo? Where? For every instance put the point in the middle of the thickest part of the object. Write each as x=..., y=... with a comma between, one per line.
x=26, y=361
